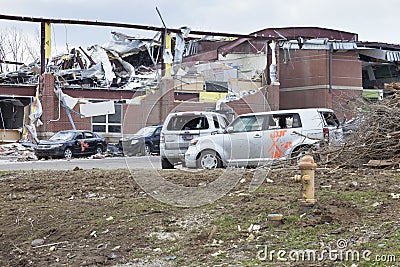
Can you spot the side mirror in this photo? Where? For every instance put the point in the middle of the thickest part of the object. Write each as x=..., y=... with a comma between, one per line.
x=229, y=129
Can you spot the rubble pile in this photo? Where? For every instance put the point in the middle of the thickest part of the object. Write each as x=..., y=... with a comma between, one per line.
x=17, y=151
x=123, y=63
x=26, y=74
x=392, y=87
x=373, y=138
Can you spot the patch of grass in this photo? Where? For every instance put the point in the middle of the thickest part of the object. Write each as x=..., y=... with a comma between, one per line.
x=362, y=197
x=176, y=248
x=138, y=254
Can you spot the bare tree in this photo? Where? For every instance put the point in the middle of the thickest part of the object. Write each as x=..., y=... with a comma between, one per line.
x=33, y=46
x=18, y=46
x=3, y=53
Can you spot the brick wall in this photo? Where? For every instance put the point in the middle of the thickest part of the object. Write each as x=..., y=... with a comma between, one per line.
x=305, y=79
x=54, y=116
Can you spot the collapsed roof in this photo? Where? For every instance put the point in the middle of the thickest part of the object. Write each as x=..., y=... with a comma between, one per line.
x=127, y=62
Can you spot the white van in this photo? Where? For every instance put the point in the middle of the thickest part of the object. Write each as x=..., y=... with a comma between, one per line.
x=180, y=128
x=255, y=138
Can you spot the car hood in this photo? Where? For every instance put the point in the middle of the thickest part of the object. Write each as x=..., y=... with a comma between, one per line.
x=51, y=142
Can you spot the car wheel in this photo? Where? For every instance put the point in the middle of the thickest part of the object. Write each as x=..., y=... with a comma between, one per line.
x=209, y=160
x=165, y=164
x=99, y=150
x=147, y=150
x=68, y=153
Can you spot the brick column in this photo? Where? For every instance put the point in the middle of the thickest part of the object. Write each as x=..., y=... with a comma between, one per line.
x=49, y=104
x=273, y=96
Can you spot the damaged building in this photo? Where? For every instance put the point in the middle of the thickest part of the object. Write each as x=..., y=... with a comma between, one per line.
x=117, y=88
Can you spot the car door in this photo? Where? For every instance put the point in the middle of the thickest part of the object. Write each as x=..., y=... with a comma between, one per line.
x=90, y=143
x=78, y=145
x=283, y=134
x=155, y=139
x=243, y=145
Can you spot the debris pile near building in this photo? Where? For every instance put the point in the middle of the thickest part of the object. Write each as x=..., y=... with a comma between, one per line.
x=392, y=87
x=26, y=74
x=17, y=152
x=372, y=139
x=124, y=62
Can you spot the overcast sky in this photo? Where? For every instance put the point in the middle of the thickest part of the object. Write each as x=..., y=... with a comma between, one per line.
x=372, y=20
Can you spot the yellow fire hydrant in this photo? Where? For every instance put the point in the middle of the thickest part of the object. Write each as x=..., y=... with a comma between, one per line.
x=307, y=167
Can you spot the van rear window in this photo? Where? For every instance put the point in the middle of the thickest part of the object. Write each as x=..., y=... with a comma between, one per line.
x=188, y=122
x=330, y=119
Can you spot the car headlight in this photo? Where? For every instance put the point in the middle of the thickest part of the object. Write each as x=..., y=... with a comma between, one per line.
x=134, y=142
x=56, y=145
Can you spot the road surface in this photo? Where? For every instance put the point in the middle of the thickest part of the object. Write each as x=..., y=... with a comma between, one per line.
x=84, y=163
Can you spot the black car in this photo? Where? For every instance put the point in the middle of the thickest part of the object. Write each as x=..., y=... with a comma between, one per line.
x=145, y=142
x=71, y=143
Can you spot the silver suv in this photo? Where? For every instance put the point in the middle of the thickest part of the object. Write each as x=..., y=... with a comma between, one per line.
x=255, y=138
x=182, y=127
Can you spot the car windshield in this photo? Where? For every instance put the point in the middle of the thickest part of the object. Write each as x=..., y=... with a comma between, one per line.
x=63, y=136
x=146, y=131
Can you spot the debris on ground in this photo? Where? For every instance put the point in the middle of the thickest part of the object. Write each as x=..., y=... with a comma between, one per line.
x=372, y=139
x=17, y=152
x=111, y=222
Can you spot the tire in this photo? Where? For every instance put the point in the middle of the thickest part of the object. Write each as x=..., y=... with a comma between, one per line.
x=98, y=150
x=147, y=150
x=68, y=153
x=165, y=164
x=209, y=160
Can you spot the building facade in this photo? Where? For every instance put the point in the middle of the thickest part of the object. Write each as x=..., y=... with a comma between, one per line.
x=279, y=68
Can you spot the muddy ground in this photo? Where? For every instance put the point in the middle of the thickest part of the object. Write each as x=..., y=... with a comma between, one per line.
x=97, y=217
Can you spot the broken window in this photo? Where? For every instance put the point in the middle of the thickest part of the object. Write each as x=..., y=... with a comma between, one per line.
x=285, y=121
x=330, y=119
x=110, y=123
x=12, y=112
x=188, y=122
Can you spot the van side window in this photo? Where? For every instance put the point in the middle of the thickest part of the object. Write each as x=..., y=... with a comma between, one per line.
x=285, y=121
x=249, y=123
x=296, y=122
